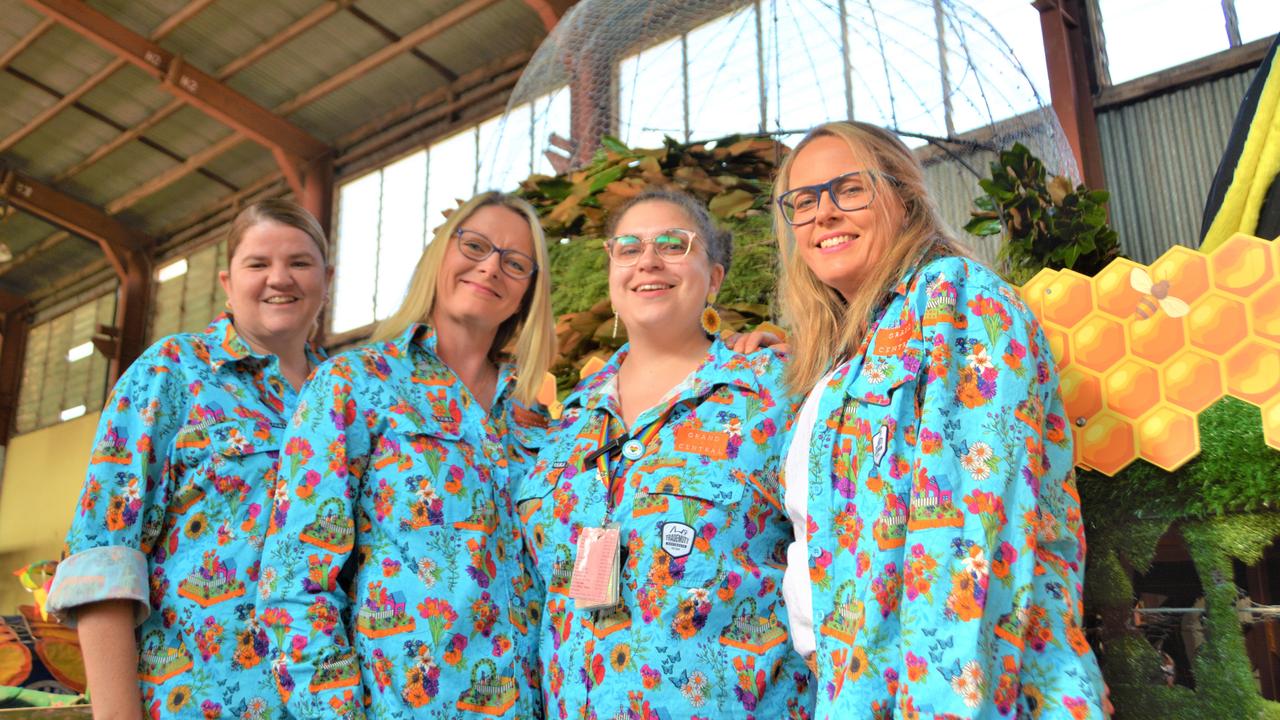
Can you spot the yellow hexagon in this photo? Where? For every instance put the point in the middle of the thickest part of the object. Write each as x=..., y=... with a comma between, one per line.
x=1168, y=438
x=1241, y=265
x=1107, y=443
x=1264, y=310
x=1217, y=323
x=1033, y=291
x=1059, y=345
x=1133, y=388
x=1081, y=393
x=1068, y=299
x=1271, y=423
x=1253, y=372
x=1114, y=292
x=1157, y=338
x=1192, y=380
x=1186, y=270
x=1098, y=343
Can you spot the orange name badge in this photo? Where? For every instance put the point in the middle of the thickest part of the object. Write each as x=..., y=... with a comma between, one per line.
x=714, y=445
x=594, y=583
x=892, y=341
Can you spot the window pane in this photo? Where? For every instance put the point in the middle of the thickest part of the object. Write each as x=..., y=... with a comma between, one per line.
x=724, y=84
x=1258, y=18
x=356, y=265
x=505, y=150
x=1146, y=36
x=550, y=115
x=452, y=175
x=651, y=96
x=404, y=188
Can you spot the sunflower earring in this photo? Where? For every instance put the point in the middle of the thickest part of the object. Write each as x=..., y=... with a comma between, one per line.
x=710, y=318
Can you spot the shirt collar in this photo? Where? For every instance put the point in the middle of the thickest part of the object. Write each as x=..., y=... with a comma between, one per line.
x=226, y=346
x=424, y=337
x=721, y=366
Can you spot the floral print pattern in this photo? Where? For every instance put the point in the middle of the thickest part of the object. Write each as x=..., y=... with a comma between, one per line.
x=397, y=588
x=945, y=540
x=701, y=630
x=173, y=515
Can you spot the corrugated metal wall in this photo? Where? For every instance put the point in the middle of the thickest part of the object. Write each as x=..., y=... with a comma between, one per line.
x=1159, y=156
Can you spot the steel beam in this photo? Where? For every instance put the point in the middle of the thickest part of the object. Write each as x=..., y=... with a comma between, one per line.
x=1061, y=23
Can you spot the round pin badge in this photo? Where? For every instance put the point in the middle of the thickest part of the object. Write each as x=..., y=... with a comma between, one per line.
x=632, y=449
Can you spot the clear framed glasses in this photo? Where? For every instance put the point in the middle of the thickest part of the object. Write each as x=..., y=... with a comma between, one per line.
x=475, y=246
x=848, y=192
x=672, y=245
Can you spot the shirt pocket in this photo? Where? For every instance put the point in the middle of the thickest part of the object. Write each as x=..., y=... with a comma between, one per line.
x=235, y=459
x=448, y=483
x=687, y=530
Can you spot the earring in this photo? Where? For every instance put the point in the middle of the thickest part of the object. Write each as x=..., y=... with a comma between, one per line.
x=710, y=318
x=615, y=324
x=227, y=304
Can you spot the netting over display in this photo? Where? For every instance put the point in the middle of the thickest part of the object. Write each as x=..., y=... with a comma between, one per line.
x=938, y=72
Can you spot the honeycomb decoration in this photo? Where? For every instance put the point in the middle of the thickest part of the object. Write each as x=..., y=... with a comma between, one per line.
x=1143, y=350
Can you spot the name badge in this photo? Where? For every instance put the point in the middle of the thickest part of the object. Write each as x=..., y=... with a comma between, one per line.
x=677, y=539
x=714, y=445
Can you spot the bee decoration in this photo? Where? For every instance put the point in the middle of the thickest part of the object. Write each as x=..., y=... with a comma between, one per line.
x=1155, y=296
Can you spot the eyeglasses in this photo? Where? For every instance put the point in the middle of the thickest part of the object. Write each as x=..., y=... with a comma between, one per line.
x=671, y=245
x=477, y=247
x=848, y=192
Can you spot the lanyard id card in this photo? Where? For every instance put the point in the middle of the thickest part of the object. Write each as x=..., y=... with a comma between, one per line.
x=595, y=580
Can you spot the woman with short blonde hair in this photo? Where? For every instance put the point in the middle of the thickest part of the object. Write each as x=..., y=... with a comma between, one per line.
x=938, y=555
x=393, y=512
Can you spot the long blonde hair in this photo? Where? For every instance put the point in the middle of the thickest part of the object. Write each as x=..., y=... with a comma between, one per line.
x=532, y=325
x=826, y=327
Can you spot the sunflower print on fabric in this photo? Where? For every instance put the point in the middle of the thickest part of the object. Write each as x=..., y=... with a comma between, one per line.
x=701, y=630
x=945, y=540
x=398, y=589
x=173, y=515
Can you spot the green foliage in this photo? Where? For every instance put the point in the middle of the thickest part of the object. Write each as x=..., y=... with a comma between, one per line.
x=1046, y=223
x=1220, y=502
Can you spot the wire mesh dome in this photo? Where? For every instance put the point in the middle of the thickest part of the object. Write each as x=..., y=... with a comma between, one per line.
x=934, y=71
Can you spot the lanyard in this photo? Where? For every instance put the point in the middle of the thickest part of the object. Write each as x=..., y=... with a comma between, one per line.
x=606, y=446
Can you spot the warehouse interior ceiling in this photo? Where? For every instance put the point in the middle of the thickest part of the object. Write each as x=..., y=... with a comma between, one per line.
x=129, y=124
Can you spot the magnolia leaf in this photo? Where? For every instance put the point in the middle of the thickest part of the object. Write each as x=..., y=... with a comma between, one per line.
x=731, y=203
x=1059, y=189
x=983, y=227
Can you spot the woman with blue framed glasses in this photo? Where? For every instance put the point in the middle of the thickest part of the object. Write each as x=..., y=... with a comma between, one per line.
x=938, y=556
x=397, y=585
x=652, y=517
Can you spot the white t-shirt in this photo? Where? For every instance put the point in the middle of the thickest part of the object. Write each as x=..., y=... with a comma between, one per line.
x=796, y=585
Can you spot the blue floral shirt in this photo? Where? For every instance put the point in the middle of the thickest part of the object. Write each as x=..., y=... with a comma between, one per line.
x=396, y=587
x=701, y=630
x=173, y=515
x=946, y=549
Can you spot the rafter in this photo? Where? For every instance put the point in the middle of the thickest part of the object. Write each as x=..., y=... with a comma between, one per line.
x=25, y=42
x=116, y=239
x=381, y=57
x=418, y=36
x=186, y=82
x=276, y=41
x=549, y=11
x=172, y=23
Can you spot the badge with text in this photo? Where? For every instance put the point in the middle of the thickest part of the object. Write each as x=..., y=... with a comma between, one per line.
x=880, y=443
x=714, y=445
x=677, y=539
x=594, y=583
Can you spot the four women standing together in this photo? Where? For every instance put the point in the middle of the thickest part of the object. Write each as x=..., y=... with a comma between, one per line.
x=883, y=525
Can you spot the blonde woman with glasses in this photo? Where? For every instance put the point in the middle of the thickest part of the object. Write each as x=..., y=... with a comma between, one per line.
x=939, y=552
x=391, y=582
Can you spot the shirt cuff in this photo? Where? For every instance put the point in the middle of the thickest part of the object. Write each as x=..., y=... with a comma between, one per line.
x=115, y=572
